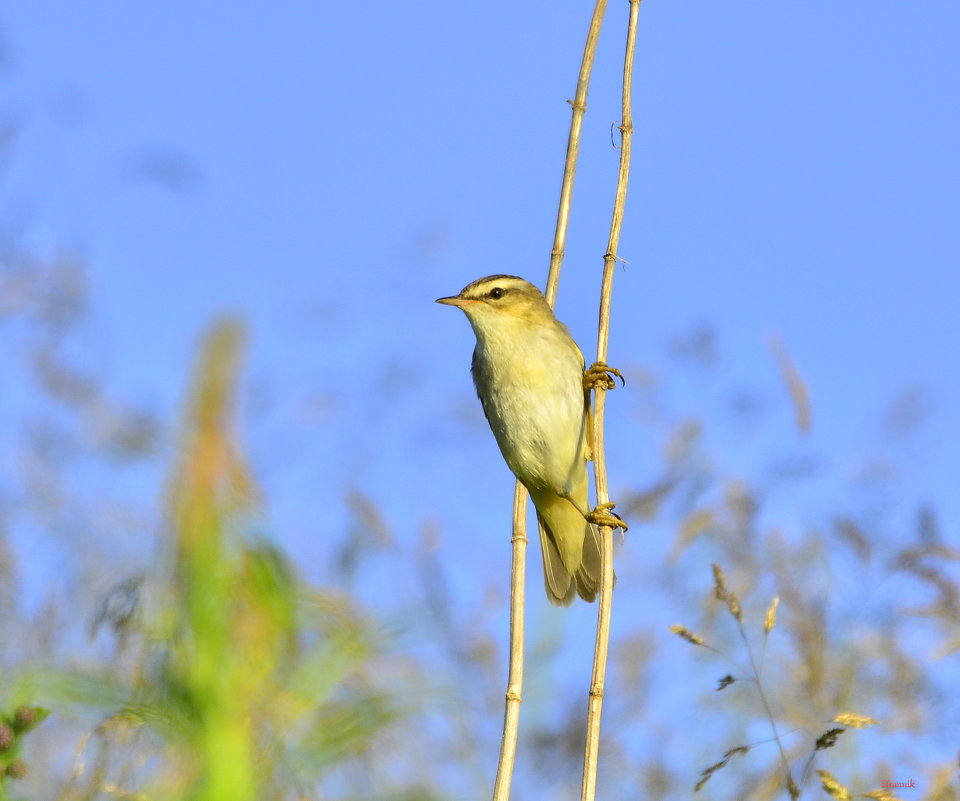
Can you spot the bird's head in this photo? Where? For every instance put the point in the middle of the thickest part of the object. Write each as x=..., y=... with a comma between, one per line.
x=499, y=300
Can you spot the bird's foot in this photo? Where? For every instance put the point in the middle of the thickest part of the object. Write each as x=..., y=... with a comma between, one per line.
x=600, y=376
x=602, y=516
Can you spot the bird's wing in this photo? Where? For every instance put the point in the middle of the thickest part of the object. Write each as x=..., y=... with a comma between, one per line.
x=559, y=584
x=587, y=411
x=588, y=426
x=478, y=370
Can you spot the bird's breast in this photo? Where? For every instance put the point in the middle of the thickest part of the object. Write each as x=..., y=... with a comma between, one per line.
x=532, y=394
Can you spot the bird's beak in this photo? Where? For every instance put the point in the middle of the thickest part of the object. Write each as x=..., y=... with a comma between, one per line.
x=456, y=300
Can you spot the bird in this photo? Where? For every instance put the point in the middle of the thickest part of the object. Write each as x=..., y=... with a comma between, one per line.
x=529, y=376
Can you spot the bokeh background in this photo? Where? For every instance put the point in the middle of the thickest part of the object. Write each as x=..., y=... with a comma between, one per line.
x=313, y=176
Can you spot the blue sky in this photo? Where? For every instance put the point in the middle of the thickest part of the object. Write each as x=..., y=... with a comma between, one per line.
x=326, y=171
x=795, y=172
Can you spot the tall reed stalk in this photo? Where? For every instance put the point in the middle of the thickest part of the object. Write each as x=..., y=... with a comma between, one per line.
x=597, y=681
x=578, y=105
x=511, y=720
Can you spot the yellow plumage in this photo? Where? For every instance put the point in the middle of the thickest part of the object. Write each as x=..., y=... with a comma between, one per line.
x=528, y=372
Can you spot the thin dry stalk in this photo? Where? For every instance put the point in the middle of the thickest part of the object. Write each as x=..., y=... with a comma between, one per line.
x=511, y=715
x=788, y=775
x=579, y=105
x=589, y=787
x=511, y=719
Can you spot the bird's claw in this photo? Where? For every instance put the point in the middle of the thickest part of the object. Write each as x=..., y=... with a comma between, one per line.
x=603, y=516
x=600, y=376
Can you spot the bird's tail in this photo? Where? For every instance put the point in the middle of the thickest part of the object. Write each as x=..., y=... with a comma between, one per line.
x=571, y=550
x=588, y=574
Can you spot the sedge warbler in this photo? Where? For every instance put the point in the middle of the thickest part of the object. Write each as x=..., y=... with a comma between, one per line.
x=529, y=376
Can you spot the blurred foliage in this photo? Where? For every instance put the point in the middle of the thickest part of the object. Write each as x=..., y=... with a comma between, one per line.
x=213, y=671
x=14, y=727
x=237, y=681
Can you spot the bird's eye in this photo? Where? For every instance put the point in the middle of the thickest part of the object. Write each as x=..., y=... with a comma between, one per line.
x=496, y=293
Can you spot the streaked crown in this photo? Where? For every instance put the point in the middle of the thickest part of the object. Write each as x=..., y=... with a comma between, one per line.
x=508, y=293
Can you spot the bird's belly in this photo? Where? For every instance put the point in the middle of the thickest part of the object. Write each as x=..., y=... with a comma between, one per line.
x=538, y=423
